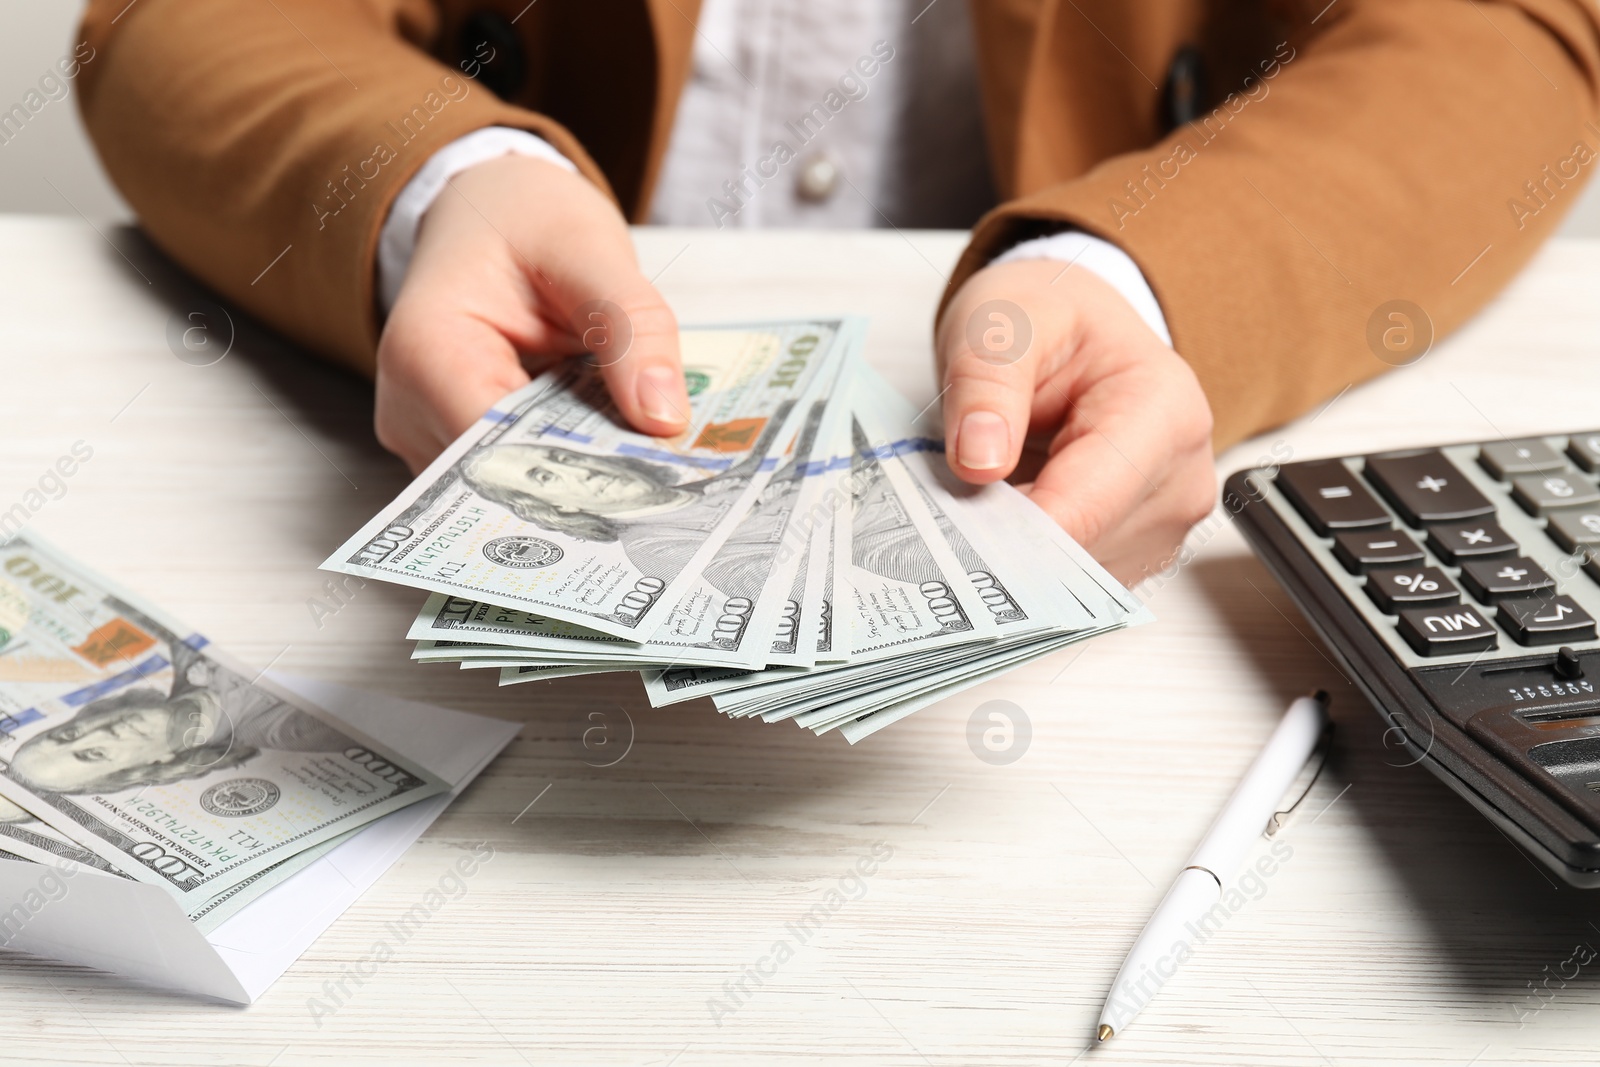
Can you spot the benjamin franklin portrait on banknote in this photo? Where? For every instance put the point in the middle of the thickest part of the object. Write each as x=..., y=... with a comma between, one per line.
x=211, y=719
x=659, y=521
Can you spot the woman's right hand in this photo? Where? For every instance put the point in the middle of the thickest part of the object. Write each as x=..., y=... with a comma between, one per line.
x=520, y=263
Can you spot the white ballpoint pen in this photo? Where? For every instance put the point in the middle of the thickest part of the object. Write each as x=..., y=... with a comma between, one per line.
x=1168, y=937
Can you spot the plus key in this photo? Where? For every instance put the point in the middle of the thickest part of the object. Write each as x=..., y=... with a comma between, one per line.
x=1493, y=580
x=1425, y=487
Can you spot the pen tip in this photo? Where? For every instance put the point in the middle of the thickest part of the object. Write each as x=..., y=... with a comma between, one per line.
x=1104, y=1032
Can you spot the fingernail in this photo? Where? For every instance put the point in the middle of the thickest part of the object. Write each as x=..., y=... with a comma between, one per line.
x=661, y=394
x=983, y=441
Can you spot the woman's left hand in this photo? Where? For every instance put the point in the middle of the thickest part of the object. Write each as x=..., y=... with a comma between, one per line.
x=1121, y=418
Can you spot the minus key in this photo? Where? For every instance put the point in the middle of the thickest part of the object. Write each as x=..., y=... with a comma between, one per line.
x=1359, y=550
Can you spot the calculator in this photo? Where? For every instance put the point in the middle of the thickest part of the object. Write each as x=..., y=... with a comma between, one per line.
x=1458, y=587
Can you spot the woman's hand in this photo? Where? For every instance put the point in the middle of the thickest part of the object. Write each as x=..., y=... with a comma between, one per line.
x=520, y=263
x=1123, y=426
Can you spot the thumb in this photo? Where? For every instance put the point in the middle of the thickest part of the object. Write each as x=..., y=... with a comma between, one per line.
x=990, y=356
x=437, y=374
x=632, y=335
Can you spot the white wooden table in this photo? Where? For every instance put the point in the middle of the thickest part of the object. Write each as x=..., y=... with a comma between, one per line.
x=1404, y=929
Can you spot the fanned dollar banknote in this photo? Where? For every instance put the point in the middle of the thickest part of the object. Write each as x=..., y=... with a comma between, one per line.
x=802, y=552
x=130, y=745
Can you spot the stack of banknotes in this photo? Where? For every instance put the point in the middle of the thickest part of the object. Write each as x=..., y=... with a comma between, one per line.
x=800, y=552
x=131, y=746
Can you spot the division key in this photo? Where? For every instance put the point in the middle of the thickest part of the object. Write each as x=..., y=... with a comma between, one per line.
x=1426, y=487
x=1330, y=497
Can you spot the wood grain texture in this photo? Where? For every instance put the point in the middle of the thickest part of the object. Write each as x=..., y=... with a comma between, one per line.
x=1404, y=929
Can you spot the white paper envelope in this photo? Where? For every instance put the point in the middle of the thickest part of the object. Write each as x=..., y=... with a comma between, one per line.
x=140, y=931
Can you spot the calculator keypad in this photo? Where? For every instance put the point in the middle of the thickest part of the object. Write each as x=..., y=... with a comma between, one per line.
x=1469, y=597
x=1505, y=559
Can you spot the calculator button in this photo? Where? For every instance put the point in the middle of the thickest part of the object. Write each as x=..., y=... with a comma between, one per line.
x=1426, y=487
x=1457, y=541
x=1361, y=549
x=1555, y=620
x=1411, y=587
x=1584, y=448
x=1575, y=529
x=1330, y=497
x=1505, y=458
x=1490, y=580
x=1537, y=493
x=1448, y=630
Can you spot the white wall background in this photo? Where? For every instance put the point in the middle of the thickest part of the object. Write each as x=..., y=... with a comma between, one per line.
x=53, y=150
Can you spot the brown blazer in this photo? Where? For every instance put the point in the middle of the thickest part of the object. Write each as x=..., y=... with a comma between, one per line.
x=1343, y=154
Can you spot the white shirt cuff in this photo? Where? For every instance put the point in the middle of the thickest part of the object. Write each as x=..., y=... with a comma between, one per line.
x=398, y=238
x=1103, y=259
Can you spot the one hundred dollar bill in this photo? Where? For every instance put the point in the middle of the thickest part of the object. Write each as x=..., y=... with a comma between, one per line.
x=551, y=505
x=130, y=736
x=803, y=637
x=908, y=591
x=731, y=612
x=806, y=633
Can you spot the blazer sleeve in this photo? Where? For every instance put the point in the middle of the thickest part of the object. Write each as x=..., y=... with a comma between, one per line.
x=1397, y=150
x=262, y=143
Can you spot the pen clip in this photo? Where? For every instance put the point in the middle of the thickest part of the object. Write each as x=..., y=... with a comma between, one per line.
x=1280, y=819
